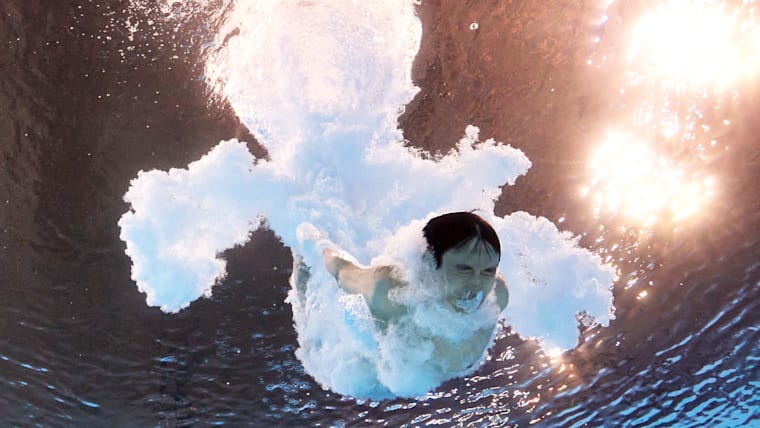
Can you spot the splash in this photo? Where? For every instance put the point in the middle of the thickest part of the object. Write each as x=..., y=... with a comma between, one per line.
x=321, y=86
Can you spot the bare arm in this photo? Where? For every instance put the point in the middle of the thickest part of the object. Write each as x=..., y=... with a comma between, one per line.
x=351, y=278
x=372, y=283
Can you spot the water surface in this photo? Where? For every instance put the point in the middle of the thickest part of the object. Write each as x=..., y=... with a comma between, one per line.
x=93, y=92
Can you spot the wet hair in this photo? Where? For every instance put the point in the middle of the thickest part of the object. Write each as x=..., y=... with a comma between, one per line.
x=454, y=229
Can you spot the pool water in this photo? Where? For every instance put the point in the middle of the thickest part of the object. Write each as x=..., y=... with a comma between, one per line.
x=650, y=166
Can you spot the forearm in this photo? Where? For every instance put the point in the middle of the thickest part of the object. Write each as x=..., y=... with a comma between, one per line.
x=350, y=277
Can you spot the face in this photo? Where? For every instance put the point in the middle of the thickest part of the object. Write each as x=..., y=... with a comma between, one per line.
x=468, y=273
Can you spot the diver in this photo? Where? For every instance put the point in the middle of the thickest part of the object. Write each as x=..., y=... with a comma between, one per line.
x=463, y=252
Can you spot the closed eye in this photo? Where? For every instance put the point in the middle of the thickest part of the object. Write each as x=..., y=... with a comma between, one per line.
x=464, y=268
x=489, y=272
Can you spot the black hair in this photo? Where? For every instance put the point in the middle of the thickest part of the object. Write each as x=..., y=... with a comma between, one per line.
x=451, y=230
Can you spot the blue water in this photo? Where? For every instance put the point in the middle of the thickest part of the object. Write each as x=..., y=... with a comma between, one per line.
x=82, y=112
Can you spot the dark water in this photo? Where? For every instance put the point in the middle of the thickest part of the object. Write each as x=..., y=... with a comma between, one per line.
x=85, y=103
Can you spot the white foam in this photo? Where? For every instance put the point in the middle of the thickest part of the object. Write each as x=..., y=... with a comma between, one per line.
x=321, y=87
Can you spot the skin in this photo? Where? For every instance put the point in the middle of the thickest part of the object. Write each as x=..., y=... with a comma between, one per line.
x=470, y=269
x=464, y=271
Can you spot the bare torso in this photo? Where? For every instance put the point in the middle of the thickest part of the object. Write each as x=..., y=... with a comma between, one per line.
x=375, y=284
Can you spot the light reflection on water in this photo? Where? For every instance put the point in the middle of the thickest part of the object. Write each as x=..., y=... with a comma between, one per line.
x=702, y=43
x=650, y=367
x=682, y=60
x=630, y=178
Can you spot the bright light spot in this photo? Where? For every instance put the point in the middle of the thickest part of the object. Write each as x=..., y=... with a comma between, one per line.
x=554, y=353
x=699, y=42
x=670, y=127
x=630, y=178
x=642, y=295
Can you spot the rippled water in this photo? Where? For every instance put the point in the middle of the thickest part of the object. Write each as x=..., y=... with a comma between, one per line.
x=94, y=91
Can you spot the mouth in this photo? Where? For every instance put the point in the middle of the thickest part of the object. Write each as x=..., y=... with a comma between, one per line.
x=468, y=302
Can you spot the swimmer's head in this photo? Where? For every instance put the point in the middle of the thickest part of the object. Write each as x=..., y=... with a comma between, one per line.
x=452, y=230
x=467, y=251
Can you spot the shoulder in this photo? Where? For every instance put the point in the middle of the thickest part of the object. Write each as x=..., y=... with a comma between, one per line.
x=388, y=277
x=385, y=279
x=502, y=292
x=385, y=271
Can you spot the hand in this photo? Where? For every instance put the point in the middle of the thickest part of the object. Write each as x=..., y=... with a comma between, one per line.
x=301, y=275
x=334, y=261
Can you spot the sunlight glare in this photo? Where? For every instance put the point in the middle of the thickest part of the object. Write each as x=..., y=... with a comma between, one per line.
x=629, y=178
x=554, y=353
x=699, y=42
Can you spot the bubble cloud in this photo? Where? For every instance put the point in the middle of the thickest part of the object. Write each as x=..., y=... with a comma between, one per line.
x=321, y=86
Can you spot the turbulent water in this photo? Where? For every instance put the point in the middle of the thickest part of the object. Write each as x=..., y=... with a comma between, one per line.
x=651, y=167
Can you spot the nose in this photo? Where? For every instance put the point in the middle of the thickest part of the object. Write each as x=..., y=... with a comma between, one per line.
x=478, y=282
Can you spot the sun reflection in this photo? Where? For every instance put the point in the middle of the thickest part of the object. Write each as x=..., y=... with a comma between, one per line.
x=683, y=60
x=696, y=42
x=630, y=178
x=554, y=353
